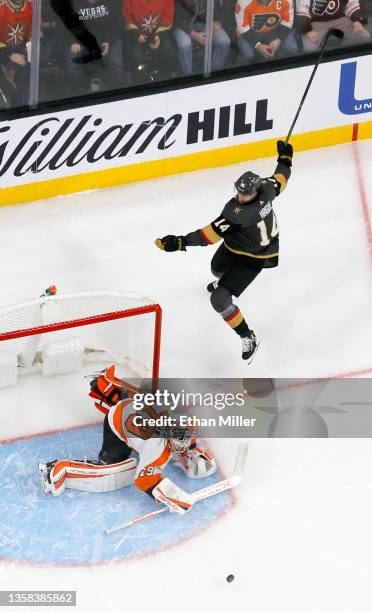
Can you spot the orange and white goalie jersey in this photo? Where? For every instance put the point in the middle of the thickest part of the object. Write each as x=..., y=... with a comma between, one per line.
x=263, y=16
x=154, y=451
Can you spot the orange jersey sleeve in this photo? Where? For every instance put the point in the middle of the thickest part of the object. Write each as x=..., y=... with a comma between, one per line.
x=152, y=460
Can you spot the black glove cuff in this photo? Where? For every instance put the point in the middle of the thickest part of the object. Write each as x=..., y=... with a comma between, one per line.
x=286, y=160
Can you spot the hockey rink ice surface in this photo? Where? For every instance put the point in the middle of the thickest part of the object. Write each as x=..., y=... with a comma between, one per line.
x=296, y=534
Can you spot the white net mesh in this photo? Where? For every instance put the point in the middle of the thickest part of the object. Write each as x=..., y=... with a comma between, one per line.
x=127, y=341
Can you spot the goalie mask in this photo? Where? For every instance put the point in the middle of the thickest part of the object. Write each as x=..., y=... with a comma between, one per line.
x=180, y=438
x=248, y=183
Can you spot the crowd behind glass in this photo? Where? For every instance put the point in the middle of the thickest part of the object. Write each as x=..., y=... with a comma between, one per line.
x=88, y=46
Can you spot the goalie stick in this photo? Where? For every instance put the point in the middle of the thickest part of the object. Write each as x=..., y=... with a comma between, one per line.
x=214, y=489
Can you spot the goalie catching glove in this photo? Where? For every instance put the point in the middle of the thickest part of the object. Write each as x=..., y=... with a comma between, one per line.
x=171, y=243
x=108, y=389
x=196, y=463
x=285, y=153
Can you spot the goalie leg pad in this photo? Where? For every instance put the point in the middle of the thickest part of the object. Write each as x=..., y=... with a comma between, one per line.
x=197, y=463
x=172, y=496
x=91, y=476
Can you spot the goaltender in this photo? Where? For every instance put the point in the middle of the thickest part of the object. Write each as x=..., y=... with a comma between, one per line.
x=125, y=430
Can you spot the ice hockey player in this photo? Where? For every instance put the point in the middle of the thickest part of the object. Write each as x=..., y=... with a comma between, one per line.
x=250, y=236
x=121, y=435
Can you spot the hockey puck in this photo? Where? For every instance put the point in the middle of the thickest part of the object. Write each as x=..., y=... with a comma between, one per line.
x=230, y=578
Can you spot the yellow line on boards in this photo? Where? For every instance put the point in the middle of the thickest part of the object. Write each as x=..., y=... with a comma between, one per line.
x=365, y=130
x=175, y=165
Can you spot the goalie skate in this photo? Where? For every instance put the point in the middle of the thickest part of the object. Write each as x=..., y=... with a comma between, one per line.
x=44, y=475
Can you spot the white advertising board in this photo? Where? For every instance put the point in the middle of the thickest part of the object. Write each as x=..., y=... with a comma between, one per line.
x=186, y=121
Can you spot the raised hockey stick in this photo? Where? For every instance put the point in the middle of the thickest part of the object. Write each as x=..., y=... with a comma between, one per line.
x=214, y=489
x=332, y=32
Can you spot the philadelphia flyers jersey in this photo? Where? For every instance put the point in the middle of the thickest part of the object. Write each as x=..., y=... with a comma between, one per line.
x=325, y=10
x=15, y=23
x=263, y=17
x=153, y=450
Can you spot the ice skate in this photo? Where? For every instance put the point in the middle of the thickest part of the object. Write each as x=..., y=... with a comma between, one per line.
x=249, y=346
x=44, y=475
x=212, y=286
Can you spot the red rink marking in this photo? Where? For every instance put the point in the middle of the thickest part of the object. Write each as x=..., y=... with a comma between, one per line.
x=222, y=515
x=355, y=131
x=363, y=197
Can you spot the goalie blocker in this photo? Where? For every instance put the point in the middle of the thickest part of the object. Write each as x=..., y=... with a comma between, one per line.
x=114, y=468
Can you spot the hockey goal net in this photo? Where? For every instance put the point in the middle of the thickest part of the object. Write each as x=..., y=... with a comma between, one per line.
x=58, y=334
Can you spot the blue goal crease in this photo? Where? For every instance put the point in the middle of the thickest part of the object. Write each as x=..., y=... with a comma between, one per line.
x=69, y=530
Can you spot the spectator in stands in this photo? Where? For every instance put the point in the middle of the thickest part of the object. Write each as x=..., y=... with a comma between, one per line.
x=65, y=11
x=148, y=50
x=102, y=19
x=316, y=17
x=15, y=32
x=190, y=28
x=264, y=29
x=229, y=25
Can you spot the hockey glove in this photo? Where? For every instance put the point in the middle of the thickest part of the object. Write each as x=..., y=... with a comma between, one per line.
x=172, y=496
x=285, y=152
x=196, y=463
x=108, y=389
x=171, y=243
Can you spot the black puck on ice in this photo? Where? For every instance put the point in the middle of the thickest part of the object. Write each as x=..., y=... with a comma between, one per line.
x=230, y=578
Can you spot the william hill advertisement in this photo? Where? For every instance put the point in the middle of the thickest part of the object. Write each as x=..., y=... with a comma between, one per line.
x=182, y=130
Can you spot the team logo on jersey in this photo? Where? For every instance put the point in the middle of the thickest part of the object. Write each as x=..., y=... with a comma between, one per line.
x=94, y=12
x=15, y=34
x=237, y=210
x=150, y=23
x=347, y=102
x=330, y=7
x=267, y=21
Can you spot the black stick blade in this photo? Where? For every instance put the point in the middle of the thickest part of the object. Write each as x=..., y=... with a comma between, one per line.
x=337, y=33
